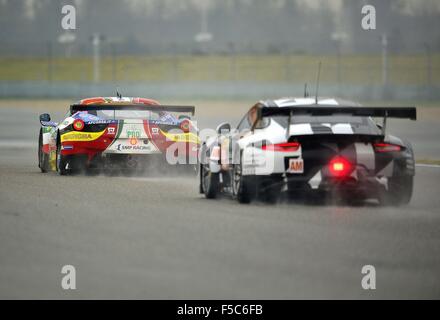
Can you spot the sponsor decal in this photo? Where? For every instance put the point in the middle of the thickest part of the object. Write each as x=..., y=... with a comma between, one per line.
x=185, y=125
x=121, y=147
x=164, y=122
x=78, y=124
x=66, y=147
x=296, y=166
x=101, y=122
x=155, y=130
x=81, y=136
x=133, y=141
x=110, y=130
x=133, y=135
x=182, y=137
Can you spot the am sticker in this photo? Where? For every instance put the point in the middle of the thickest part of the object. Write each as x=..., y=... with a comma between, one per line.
x=296, y=166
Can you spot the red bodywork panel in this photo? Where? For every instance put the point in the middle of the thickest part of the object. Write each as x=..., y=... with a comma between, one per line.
x=153, y=135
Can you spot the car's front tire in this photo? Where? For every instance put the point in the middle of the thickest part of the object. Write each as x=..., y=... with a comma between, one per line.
x=43, y=158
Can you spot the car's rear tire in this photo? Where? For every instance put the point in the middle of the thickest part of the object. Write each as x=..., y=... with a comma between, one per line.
x=269, y=188
x=399, y=191
x=61, y=161
x=43, y=158
x=244, y=188
x=209, y=182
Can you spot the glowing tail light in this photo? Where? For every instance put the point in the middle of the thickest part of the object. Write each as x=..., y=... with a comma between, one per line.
x=282, y=147
x=340, y=167
x=386, y=147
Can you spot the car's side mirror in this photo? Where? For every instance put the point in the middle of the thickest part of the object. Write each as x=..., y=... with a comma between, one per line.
x=223, y=128
x=45, y=117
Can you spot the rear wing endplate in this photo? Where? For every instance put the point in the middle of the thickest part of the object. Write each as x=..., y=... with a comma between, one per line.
x=81, y=107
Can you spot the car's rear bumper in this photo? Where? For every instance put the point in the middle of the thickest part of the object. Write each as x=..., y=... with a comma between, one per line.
x=359, y=186
x=364, y=188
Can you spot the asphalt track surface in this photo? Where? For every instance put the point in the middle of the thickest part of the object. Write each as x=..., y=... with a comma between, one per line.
x=155, y=237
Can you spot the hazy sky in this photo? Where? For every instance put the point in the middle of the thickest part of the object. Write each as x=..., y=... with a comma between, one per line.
x=175, y=6
x=246, y=25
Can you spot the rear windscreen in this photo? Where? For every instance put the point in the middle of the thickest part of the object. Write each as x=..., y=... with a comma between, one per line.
x=130, y=114
x=127, y=114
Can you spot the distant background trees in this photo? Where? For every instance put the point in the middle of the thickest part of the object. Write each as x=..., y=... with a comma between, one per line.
x=237, y=26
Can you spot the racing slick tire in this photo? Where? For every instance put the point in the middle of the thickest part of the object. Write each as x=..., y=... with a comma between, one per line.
x=244, y=188
x=269, y=188
x=61, y=161
x=399, y=191
x=209, y=182
x=43, y=158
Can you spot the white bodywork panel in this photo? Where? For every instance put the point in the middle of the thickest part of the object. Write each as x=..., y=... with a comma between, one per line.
x=132, y=139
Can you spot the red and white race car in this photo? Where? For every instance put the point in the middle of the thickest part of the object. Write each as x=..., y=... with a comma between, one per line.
x=116, y=133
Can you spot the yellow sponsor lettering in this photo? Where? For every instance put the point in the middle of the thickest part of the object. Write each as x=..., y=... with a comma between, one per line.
x=182, y=137
x=81, y=136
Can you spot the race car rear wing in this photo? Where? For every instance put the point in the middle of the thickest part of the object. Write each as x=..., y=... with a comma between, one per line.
x=81, y=107
x=328, y=110
x=322, y=110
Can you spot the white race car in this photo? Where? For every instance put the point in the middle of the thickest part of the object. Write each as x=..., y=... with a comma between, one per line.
x=308, y=147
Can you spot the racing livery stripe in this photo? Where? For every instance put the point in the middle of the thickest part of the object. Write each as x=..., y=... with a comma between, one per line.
x=320, y=128
x=118, y=133
x=315, y=181
x=342, y=128
x=147, y=129
x=365, y=155
x=301, y=129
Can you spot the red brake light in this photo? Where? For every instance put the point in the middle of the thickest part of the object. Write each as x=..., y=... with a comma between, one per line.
x=283, y=147
x=339, y=167
x=386, y=147
x=78, y=124
x=185, y=125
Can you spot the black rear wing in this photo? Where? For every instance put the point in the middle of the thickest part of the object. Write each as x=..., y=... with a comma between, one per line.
x=329, y=110
x=322, y=110
x=82, y=107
